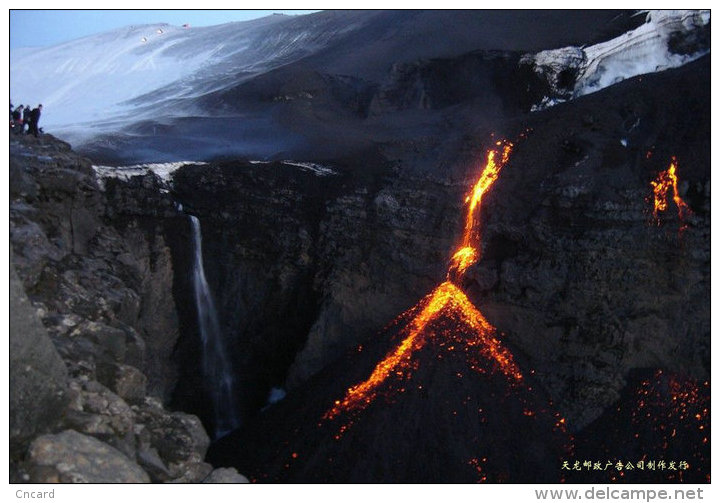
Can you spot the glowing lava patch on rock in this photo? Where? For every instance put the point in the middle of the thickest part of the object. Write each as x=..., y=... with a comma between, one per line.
x=666, y=180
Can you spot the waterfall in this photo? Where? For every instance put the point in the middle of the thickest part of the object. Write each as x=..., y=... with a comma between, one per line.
x=215, y=363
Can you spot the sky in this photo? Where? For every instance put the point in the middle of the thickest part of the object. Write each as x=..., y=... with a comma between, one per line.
x=37, y=28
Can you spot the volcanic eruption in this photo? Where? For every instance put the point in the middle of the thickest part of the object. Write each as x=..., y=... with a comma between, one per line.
x=448, y=400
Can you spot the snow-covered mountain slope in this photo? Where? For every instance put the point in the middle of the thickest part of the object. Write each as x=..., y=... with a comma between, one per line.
x=280, y=86
x=106, y=78
x=103, y=77
x=668, y=39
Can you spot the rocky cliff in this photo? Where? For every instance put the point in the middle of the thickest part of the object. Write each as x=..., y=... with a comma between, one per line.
x=93, y=328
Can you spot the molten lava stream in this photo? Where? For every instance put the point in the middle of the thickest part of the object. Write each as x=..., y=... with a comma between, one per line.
x=446, y=302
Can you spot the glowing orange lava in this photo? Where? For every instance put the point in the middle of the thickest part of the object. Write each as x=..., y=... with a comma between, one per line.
x=661, y=186
x=447, y=302
x=488, y=176
x=463, y=258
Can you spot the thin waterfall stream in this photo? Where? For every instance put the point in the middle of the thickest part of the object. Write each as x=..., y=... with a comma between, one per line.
x=216, y=365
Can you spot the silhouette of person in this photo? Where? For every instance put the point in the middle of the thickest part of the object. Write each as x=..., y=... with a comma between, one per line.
x=17, y=119
x=26, y=117
x=34, y=119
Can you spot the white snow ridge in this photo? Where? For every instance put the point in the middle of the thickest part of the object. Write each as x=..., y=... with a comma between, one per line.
x=163, y=170
x=316, y=169
x=646, y=49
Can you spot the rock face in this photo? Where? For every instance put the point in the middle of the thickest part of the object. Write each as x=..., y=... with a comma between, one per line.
x=104, y=289
x=574, y=257
x=225, y=476
x=72, y=457
x=38, y=376
x=99, y=278
x=304, y=267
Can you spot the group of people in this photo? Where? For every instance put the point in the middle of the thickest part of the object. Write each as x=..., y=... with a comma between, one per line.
x=23, y=116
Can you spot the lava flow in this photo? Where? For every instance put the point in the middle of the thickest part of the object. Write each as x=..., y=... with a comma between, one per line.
x=446, y=302
x=661, y=186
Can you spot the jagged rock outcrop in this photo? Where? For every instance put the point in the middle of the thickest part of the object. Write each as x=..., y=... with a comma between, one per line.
x=225, y=476
x=70, y=456
x=38, y=376
x=104, y=290
x=100, y=279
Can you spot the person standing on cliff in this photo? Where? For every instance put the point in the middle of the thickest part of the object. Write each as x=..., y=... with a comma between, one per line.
x=34, y=119
x=26, y=117
x=17, y=120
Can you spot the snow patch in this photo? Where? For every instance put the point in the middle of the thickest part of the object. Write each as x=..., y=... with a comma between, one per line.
x=317, y=169
x=162, y=170
x=573, y=71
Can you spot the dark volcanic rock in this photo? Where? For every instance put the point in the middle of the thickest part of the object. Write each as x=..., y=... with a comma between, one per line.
x=225, y=476
x=303, y=267
x=489, y=79
x=72, y=457
x=586, y=285
x=659, y=430
x=100, y=277
x=38, y=376
x=103, y=281
x=571, y=254
x=444, y=420
x=581, y=265
x=128, y=382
